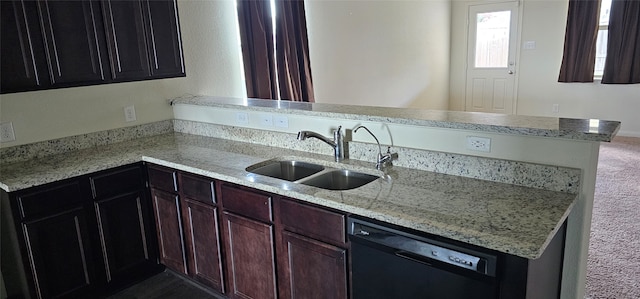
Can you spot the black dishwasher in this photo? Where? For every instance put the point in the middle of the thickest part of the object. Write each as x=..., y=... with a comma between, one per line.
x=389, y=263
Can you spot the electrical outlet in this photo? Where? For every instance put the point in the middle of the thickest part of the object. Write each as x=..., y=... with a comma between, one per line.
x=480, y=144
x=130, y=113
x=281, y=121
x=242, y=118
x=266, y=120
x=555, y=108
x=6, y=132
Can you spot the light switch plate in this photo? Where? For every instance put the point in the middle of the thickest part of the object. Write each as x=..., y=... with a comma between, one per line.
x=130, y=113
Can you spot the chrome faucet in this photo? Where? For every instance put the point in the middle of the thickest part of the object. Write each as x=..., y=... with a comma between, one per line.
x=337, y=143
x=384, y=160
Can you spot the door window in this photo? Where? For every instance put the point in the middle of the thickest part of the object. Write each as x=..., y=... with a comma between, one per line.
x=492, y=39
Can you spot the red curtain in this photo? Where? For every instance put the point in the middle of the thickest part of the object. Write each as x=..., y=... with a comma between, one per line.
x=292, y=47
x=622, y=65
x=579, y=56
x=291, y=58
x=256, y=38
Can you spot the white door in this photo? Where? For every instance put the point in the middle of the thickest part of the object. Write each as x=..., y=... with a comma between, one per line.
x=491, y=57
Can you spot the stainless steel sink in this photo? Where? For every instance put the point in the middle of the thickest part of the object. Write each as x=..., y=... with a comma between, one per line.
x=339, y=180
x=287, y=170
x=312, y=174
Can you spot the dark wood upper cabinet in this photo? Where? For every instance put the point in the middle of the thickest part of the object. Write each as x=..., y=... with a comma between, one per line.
x=73, y=41
x=126, y=39
x=20, y=40
x=164, y=38
x=58, y=44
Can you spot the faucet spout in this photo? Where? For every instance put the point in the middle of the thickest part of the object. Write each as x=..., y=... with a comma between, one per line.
x=337, y=143
x=383, y=160
x=302, y=135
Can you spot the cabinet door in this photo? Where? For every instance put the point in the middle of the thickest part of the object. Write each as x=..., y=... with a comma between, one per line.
x=123, y=231
x=165, y=43
x=311, y=269
x=60, y=254
x=124, y=24
x=250, y=258
x=203, y=243
x=73, y=41
x=169, y=226
x=20, y=56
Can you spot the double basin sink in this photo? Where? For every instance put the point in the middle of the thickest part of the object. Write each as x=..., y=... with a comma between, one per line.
x=312, y=174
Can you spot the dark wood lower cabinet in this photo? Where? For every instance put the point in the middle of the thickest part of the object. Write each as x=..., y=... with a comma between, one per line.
x=312, y=251
x=311, y=269
x=250, y=257
x=81, y=237
x=88, y=236
x=187, y=224
x=166, y=207
x=60, y=254
x=203, y=245
x=280, y=248
x=124, y=233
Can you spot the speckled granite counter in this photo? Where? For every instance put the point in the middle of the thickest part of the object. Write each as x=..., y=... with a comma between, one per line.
x=579, y=129
x=508, y=218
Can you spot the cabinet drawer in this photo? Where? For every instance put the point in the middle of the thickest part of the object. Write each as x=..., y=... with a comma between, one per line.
x=313, y=222
x=247, y=203
x=116, y=182
x=163, y=178
x=198, y=188
x=50, y=200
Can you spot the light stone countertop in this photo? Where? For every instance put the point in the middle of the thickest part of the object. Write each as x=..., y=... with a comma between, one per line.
x=568, y=128
x=503, y=217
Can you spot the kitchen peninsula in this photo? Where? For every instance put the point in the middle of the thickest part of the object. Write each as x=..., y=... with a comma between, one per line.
x=512, y=199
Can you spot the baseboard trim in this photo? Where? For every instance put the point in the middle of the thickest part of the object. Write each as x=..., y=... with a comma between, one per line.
x=628, y=133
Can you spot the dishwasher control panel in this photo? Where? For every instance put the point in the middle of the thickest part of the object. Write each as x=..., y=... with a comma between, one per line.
x=417, y=247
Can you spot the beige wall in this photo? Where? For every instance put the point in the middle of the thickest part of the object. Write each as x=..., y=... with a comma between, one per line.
x=543, y=21
x=212, y=61
x=380, y=53
x=363, y=52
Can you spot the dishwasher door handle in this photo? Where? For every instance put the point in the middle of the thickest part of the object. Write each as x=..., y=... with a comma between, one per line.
x=412, y=257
